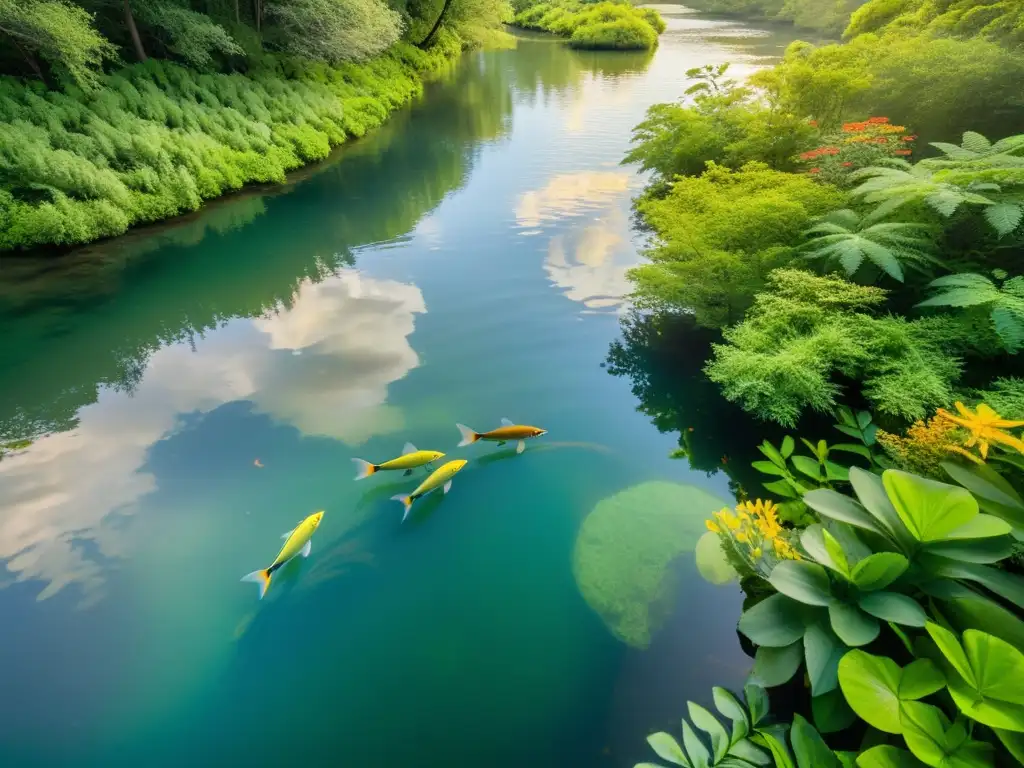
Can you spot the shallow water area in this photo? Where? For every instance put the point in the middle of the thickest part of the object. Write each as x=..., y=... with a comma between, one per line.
x=203, y=386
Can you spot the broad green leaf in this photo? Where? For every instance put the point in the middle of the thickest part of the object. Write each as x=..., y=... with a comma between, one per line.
x=668, y=748
x=802, y=581
x=997, y=697
x=831, y=712
x=712, y=562
x=983, y=551
x=813, y=540
x=872, y=495
x=1004, y=217
x=879, y=570
x=808, y=747
x=987, y=484
x=887, y=756
x=860, y=450
x=929, y=509
x=807, y=466
x=757, y=702
x=729, y=706
x=920, y=678
x=863, y=419
x=787, y=446
x=871, y=685
x=695, y=748
x=1014, y=743
x=775, y=622
x=822, y=652
x=769, y=450
x=980, y=527
x=775, y=666
x=924, y=730
x=853, y=627
x=836, y=506
x=745, y=750
x=775, y=739
x=835, y=472
x=769, y=469
x=1007, y=585
x=782, y=488
x=894, y=607
x=710, y=725
x=969, y=610
x=949, y=645
x=835, y=552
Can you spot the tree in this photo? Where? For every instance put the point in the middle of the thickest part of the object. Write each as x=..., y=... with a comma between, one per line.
x=847, y=237
x=335, y=30
x=61, y=34
x=193, y=36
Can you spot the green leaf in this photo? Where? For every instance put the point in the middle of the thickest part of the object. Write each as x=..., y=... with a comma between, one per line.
x=813, y=541
x=849, y=430
x=775, y=666
x=710, y=725
x=775, y=739
x=1014, y=743
x=835, y=472
x=851, y=625
x=757, y=702
x=894, y=607
x=983, y=551
x=920, y=678
x=997, y=697
x=822, y=652
x=1009, y=586
x=787, y=446
x=872, y=495
x=929, y=509
x=745, y=750
x=769, y=469
x=775, y=622
x=836, y=506
x=802, y=581
x=860, y=450
x=781, y=488
x=773, y=455
x=887, y=756
x=879, y=570
x=668, y=748
x=924, y=730
x=835, y=552
x=980, y=526
x=951, y=649
x=871, y=685
x=967, y=609
x=729, y=706
x=808, y=747
x=985, y=483
x=807, y=466
x=1003, y=217
x=695, y=749
x=863, y=419
x=831, y=712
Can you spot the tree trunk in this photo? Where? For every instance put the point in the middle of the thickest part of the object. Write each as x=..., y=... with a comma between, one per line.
x=129, y=19
x=437, y=25
x=257, y=12
x=238, y=18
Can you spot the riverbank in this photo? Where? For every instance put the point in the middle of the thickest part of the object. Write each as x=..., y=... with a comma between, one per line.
x=158, y=139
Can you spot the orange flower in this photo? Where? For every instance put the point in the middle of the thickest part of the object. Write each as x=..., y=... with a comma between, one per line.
x=815, y=170
x=908, y=138
x=847, y=165
x=812, y=123
x=903, y=152
x=876, y=120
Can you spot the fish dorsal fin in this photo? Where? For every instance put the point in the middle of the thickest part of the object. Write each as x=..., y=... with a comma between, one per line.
x=286, y=534
x=507, y=423
x=409, y=448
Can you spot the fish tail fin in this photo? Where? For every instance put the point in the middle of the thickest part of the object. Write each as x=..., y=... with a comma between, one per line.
x=406, y=502
x=363, y=468
x=262, y=579
x=468, y=435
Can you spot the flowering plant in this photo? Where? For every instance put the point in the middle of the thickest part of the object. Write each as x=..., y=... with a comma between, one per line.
x=858, y=145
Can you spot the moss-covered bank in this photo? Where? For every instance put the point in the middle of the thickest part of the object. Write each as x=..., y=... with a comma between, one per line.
x=157, y=139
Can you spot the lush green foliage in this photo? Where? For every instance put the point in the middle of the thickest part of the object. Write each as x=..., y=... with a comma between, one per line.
x=610, y=24
x=720, y=234
x=805, y=330
x=1004, y=303
x=336, y=30
x=998, y=20
x=726, y=124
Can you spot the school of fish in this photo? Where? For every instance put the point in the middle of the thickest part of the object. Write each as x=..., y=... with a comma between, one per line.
x=298, y=541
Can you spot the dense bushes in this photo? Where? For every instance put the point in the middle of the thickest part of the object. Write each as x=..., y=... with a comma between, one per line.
x=828, y=16
x=157, y=139
x=611, y=24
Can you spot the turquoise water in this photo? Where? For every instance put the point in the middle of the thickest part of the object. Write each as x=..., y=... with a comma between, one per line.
x=203, y=386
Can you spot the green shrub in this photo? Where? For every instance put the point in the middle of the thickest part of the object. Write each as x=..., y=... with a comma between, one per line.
x=623, y=34
x=607, y=25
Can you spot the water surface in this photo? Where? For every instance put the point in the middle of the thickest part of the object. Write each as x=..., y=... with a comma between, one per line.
x=204, y=385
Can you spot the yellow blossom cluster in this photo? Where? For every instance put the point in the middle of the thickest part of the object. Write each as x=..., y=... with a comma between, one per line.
x=755, y=526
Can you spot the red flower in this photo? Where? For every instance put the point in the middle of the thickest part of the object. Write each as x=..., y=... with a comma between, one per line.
x=878, y=120
x=847, y=165
x=903, y=152
x=815, y=170
x=812, y=123
x=908, y=138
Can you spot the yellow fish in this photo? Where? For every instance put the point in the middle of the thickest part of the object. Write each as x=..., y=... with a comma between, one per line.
x=507, y=431
x=297, y=541
x=442, y=476
x=409, y=460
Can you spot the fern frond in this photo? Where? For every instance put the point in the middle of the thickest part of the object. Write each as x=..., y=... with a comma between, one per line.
x=1004, y=217
x=1009, y=327
x=976, y=143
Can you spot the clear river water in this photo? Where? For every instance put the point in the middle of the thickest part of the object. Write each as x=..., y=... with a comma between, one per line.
x=203, y=385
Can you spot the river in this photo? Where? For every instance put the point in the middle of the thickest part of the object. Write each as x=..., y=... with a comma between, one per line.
x=203, y=386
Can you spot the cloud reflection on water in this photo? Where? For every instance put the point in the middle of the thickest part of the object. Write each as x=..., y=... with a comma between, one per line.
x=323, y=366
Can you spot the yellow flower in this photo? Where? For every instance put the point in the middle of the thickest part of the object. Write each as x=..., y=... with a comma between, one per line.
x=742, y=537
x=712, y=526
x=986, y=426
x=731, y=521
x=765, y=515
x=755, y=552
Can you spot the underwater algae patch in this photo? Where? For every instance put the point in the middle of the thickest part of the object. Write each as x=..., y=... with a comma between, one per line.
x=625, y=549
